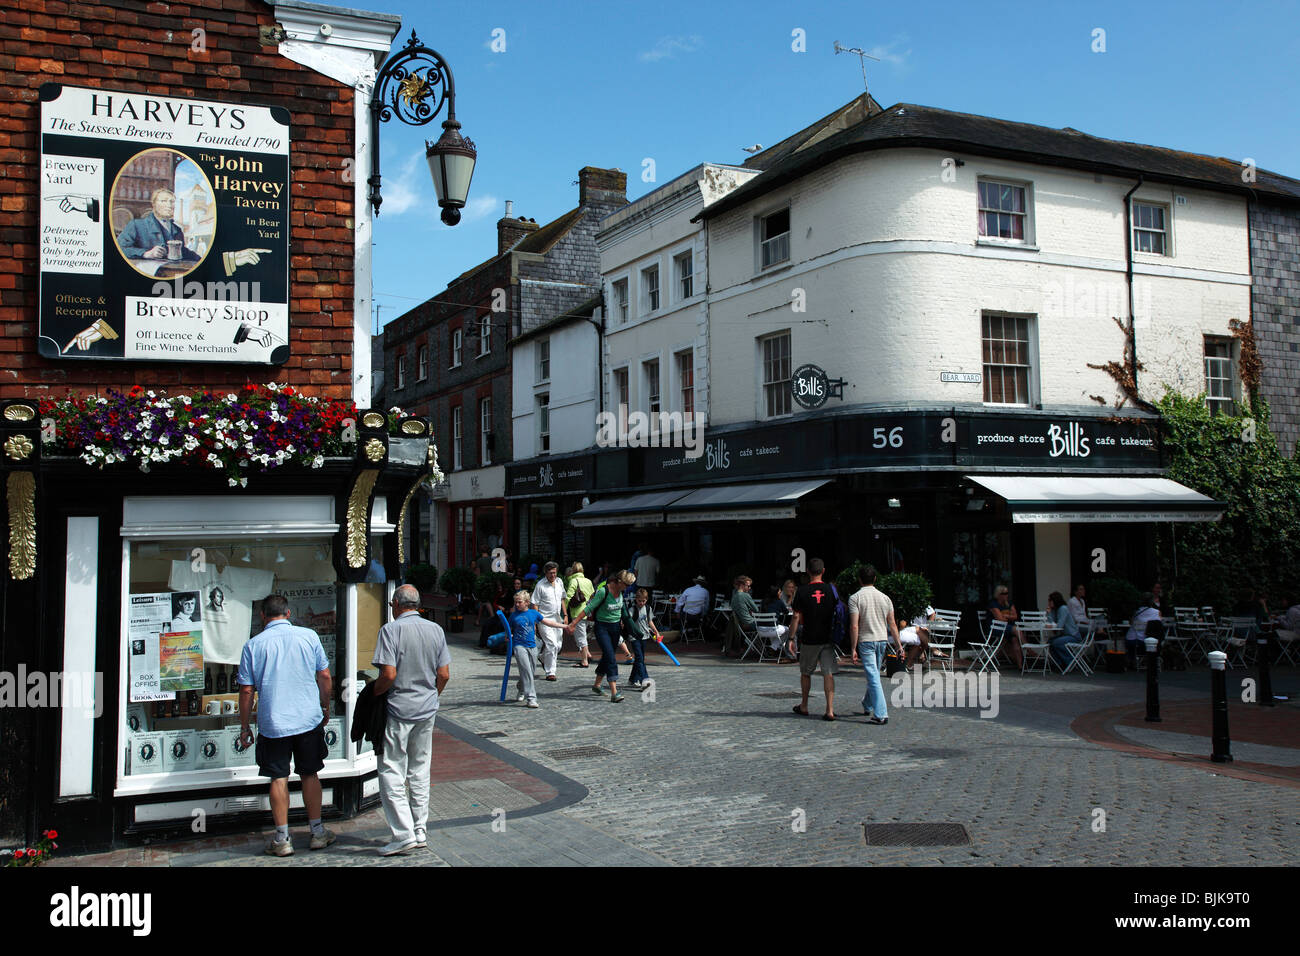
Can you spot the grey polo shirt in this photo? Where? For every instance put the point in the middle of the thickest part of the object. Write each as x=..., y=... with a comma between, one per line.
x=417, y=648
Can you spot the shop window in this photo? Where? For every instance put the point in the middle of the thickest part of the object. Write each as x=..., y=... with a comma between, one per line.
x=193, y=604
x=778, y=373
x=1008, y=361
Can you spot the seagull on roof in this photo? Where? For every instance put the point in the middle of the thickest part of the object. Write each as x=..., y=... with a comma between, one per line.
x=752, y=149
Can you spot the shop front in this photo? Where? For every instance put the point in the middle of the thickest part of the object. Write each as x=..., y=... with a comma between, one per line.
x=544, y=494
x=476, y=514
x=901, y=489
x=147, y=589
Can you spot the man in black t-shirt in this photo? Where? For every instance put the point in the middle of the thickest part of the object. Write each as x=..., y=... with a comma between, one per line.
x=814, y=608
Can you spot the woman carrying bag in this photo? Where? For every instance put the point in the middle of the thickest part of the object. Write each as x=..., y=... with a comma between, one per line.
x=606, y=609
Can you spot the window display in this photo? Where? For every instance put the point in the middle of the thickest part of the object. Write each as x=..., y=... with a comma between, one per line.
x=192, y=606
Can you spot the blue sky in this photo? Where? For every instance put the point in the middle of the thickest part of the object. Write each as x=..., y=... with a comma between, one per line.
x=616, y=83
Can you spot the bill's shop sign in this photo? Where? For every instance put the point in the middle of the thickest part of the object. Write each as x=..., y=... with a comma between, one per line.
x=907, y=440
x=561, y=477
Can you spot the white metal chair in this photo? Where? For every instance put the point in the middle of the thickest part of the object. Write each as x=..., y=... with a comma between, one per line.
x=943, y=635
x=1286, y=642
x=1036, y=652
x=986, y=651
x=1081, y=650
x=721, y=611
x=754, y=639
x=1238, y=635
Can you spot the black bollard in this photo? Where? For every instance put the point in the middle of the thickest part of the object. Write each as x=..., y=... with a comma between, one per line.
x=1153, y=680
x=1265, y=697
x=1219, y=704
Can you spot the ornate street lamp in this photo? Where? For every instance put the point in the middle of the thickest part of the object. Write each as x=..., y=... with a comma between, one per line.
x=405, y=85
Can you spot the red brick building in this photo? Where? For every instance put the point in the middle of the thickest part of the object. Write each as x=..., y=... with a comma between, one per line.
x=182, y=190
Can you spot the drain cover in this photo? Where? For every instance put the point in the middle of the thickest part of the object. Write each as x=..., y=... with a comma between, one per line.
x=493, y=733
x=915, y=834
x=575, y=753
x=783, y=695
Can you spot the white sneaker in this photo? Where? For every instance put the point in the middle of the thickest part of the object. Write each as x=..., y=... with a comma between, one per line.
x=519, y=699
x=532, y=705
x=398, y=847
x=421, y=839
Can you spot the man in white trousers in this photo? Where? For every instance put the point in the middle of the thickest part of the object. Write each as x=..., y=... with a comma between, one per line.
x=414, y=667
x=548, y=598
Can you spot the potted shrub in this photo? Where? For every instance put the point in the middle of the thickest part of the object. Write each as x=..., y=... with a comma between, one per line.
x=911, y=593
x=1120, y=599
x=459, y=584
x=423, y=575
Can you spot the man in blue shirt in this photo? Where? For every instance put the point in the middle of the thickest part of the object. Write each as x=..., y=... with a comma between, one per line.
x=286, y=665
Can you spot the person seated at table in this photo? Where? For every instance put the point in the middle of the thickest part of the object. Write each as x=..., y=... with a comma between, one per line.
x=1252, y=604
x=1059, y=613
x=1001, y=609
x=915, y=638
x=1290, y=621
x=1137, y=631
x=1078, y=605
x=693, y=603
x=742, y=604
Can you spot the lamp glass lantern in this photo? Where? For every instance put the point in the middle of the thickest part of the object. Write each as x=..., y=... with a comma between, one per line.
x=451, y=164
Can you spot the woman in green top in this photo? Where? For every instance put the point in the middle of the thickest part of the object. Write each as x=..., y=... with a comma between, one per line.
x=576, y=595
x=606, y=609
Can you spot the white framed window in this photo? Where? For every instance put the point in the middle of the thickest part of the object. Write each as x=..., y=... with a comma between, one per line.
x=484, y=431
x=620, y=301
x=1003, y=211
x=543, y=360
x=1008, y=359
x=650, y=290
x=1151, y=228
x=650, y=375
x=686, y=380
x=544, y=423
x=422, y=363
x=456, y=344
x=1220, y=380
x=619, y=391
x=457, y=439
x=401, y=371
x=485, y=335
x=684, y=271
x=774, y=238
x=778, y=373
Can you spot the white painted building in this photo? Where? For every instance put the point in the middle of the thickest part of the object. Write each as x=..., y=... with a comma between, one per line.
x=944, y=292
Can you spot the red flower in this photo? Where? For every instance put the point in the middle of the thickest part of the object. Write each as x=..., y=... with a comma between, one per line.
x=18, y=854
x=31, y=852
x=53, y=834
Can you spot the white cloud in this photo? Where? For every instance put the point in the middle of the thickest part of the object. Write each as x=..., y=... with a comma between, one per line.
x=669, y=47
x=887, y=54
x=480, y=207
x=405, y=190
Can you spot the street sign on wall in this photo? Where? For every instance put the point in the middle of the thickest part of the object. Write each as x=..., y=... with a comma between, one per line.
x=164, y=228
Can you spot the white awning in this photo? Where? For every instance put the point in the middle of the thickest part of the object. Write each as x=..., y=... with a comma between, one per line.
x=1039, y=500
x=641, y=509
x=760, y=501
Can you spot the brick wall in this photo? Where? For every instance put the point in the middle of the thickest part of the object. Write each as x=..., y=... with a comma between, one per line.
x=1275, y=306
x=141, y=47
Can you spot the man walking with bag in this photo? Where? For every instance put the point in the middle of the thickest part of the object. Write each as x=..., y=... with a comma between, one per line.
x=414, y=667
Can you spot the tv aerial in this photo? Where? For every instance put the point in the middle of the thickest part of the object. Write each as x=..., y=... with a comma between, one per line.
x=862, y=56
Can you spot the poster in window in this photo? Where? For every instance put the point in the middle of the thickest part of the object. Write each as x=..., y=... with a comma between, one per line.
x=209, y=749
x=180, y=661
x=178, y=750
x=314, y=605
x=148, y=616
x=145, y=755
x=164, y=228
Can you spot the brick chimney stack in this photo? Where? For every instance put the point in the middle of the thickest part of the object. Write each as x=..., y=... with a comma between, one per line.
x=602, y=187
x=510, y=230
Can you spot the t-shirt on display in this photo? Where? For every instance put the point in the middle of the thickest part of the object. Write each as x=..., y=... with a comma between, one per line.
x=226, y=627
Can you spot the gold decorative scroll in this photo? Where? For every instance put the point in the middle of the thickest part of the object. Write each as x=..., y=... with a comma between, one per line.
x=401, y=522
x=22, y=525
x=359, y=517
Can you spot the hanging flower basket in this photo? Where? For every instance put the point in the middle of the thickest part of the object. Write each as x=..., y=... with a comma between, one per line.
x=259, y=428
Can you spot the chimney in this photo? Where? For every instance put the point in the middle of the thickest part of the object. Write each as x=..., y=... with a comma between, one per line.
x=510, y=230
x=602, y=187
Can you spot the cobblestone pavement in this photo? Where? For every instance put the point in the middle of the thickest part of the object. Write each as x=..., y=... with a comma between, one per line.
x=712, y=768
